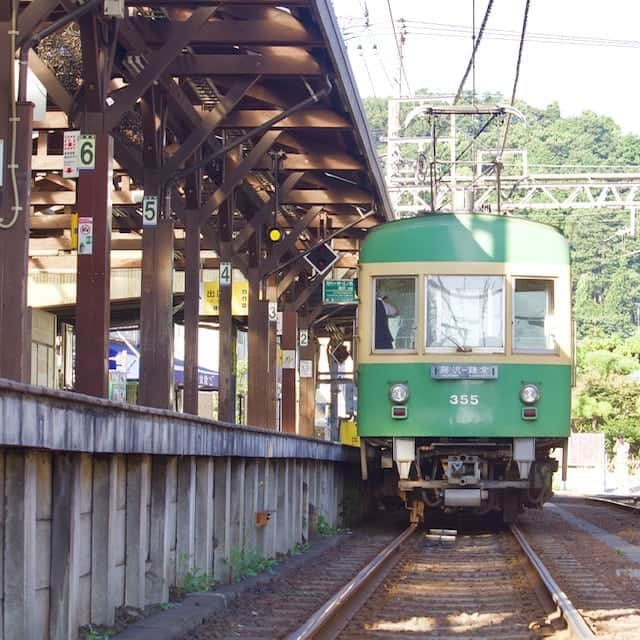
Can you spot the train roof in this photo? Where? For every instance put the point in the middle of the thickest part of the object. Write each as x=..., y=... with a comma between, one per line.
x=465, y=237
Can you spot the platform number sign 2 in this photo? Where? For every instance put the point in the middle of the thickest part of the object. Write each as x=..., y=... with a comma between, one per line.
x=150, y=211
x=86, y=152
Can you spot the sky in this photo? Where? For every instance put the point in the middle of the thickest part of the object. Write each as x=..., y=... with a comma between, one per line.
x=583, y=54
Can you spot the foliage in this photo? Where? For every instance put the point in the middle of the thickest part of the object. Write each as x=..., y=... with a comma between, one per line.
x=606, y=398
x=605, y=249
x=324, y=528
x=299, y=548
x=246, y=563
x=94, y=633
x=191, y=579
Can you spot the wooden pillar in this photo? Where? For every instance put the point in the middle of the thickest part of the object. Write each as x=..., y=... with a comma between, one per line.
x=103, y=556
x=94, y=272
x=65, y=545
x=288, y=344
x=257, y=354
x=136, y=522
x=15, y=354
x=156, y=317
x=227, y=333
x=191, y=294
x=307, y=408
x=156, y=304
x=20, y=537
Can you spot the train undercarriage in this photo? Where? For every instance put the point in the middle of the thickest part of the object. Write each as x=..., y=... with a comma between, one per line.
x=479, y=476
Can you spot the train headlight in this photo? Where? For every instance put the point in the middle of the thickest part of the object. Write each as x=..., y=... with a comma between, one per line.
x=529, y=394
x=399, y=393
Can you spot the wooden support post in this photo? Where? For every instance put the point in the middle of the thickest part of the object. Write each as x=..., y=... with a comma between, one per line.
x=162, y=476
x=103, y=605
x=65, y=546
x=307, y=388
x=93, y=273
x=204, y=514
x=258, y=382
x=191, y=293
x=20, y=537
x=136, y=528
x=186, y=499
x=156, y=317
x=226, y=352
x=191, y=314
x=222, y=520
x=289, y=343
x=15, y=355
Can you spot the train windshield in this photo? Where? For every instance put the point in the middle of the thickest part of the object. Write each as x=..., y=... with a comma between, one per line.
x=533, y=310
x=465, y=313
x=394, y=313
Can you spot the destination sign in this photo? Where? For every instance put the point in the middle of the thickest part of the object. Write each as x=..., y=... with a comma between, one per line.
x=464, y=372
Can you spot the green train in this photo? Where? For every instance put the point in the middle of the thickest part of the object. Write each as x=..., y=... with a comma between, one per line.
x=464, y=361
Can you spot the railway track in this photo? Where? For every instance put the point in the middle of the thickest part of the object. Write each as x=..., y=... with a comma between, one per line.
x=472, y=586
x=440, y=585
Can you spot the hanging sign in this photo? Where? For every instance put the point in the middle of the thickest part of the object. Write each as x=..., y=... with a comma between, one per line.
x=85, y=236
x=70, y=154
x=225, y=274
x=150, y=211
x=86, y=152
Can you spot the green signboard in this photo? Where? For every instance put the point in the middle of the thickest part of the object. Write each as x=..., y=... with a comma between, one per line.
x=339, y=291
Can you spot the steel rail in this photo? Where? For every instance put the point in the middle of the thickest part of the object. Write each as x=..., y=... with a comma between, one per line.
x=578, y=628
x=328, y=621
x=614, y=503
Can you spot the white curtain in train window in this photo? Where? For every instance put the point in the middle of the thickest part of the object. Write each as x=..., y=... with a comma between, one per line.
x=465, y=312
x=533, y=310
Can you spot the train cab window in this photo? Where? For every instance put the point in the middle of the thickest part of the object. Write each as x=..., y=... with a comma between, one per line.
x=394, y=314
x=465, y=313
x=533, y=315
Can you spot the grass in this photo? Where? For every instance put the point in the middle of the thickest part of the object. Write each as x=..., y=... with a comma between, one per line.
x=245, y=564
x=192, y=579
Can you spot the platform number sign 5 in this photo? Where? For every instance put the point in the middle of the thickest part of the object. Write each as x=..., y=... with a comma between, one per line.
x=150, y=211
x=86, y=152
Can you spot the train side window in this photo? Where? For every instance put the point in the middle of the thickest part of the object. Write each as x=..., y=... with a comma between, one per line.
x=465, y=313
x=533, y=315
x=394, y=314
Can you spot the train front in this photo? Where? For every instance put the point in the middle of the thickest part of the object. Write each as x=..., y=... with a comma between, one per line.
x=464, y=361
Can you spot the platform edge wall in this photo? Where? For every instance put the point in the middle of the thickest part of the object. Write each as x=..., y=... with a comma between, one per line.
x=107, y=505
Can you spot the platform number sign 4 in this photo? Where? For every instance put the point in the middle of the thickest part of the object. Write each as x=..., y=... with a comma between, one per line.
x=150, y=211
x=86, y=152
x=225, y=274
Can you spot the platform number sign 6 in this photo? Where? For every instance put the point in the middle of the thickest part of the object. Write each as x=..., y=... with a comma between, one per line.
x=86, y=151
x=150, y=211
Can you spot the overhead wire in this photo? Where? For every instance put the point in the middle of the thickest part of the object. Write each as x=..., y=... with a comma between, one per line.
x=476, y=44
x=516, y=78
x=400, y=55
x=448, y=30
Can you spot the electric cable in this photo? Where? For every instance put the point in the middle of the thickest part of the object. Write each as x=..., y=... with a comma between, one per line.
x=473, y=53
x=516, y=78
x=11, y=165
x=395, y=37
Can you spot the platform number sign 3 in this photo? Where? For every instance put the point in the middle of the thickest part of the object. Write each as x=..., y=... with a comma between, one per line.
x=86, y=152
x=150, y=211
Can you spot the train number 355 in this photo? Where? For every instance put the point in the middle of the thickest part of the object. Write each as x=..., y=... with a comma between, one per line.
x=463, y=399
